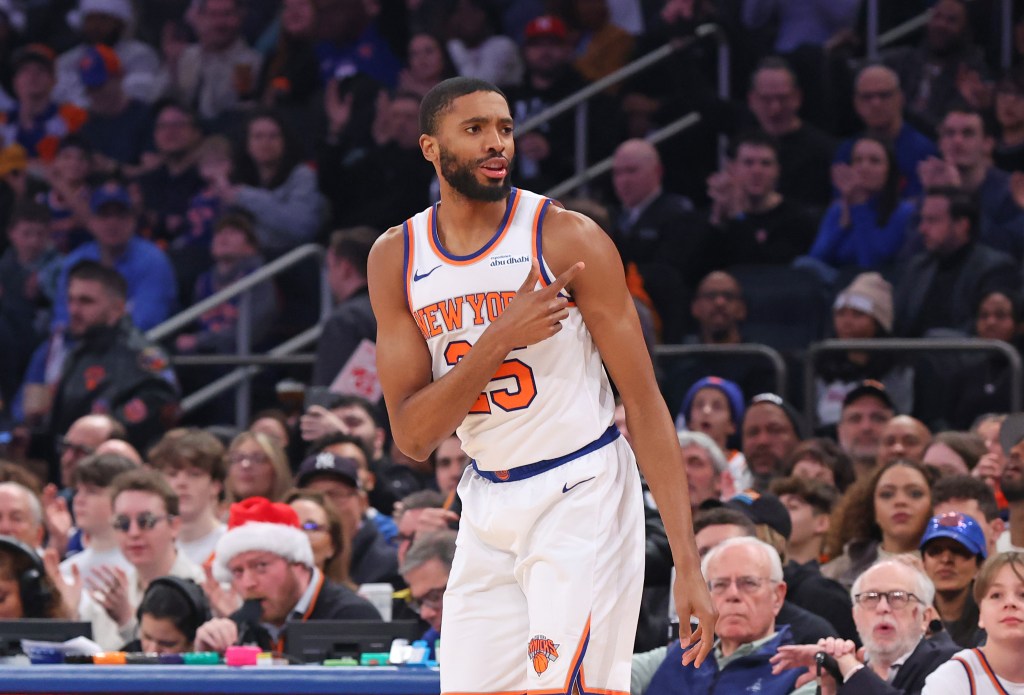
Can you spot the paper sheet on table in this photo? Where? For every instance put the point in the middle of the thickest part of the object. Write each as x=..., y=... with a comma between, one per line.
x=78, y=645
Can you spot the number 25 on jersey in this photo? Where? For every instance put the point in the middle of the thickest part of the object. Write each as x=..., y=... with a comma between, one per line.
x=506, y=398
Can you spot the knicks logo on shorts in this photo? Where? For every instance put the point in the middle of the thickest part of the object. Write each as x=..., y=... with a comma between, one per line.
x=542, y=651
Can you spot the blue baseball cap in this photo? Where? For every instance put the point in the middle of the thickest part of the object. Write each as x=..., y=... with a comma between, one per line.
x=97, y=65
x=960, y=528
x=110, y=193
x=729, y=389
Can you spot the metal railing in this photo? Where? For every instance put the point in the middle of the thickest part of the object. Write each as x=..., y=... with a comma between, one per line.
x=741, y=349
x=911, y=346
x=240, y=378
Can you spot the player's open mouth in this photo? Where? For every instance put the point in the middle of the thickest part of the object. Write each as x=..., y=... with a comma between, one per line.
x=496, y=168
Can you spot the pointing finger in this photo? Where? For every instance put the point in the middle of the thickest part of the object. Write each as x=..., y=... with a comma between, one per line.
x=532, y=278
x=566, y=277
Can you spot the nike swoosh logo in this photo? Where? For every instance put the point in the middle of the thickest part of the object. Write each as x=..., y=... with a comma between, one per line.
x=416, y=277
x=566, y=487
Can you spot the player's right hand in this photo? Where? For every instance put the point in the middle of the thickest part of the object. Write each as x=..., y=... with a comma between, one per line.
x=536, y=314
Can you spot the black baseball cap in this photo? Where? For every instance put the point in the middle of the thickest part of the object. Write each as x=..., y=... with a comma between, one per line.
x=869, y=387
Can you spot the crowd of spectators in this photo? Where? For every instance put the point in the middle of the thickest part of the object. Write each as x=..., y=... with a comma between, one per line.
x=154, y=153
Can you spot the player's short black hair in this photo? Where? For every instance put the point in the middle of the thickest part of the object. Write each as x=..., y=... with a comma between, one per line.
x=439, y=99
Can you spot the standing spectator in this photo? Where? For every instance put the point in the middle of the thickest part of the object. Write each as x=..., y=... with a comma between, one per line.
x=167, y=188
x=218, y=73
x=879, y=103
x=38, y=122
x=751, y=221
x=106, y=23
x=476, y=47
x=152, y=292
x=119, y=125
x=952, y=550
x=804, y=151
x=112, y=369
x=867, y=226
x=352, y=320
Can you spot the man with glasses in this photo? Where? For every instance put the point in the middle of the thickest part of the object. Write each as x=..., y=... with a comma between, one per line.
x=745, y=579
x=879, y=103
x=892, y=609
x=425, y=569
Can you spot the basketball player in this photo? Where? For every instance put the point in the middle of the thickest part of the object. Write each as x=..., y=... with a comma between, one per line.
x=495, y=310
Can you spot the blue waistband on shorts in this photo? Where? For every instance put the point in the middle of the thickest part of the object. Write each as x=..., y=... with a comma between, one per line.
x=532, y=469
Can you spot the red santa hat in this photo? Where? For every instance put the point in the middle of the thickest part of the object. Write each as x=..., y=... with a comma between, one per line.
x=257, y=523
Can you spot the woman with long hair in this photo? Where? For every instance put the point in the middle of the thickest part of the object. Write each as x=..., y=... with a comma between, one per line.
x=323, y=526
x=257, y=467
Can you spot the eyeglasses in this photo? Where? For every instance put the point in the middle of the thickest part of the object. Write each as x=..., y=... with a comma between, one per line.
x=432, y=600
x=895, y=599
x=745, y=585
x=313, y=526
x=145, y=521
x=64, y=445
x=404, y=538
x=256, y=458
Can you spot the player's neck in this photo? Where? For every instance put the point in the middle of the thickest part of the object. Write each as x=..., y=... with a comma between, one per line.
x=464, y=225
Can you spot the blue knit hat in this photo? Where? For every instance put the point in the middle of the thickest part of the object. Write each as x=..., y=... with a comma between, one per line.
x=730, y=389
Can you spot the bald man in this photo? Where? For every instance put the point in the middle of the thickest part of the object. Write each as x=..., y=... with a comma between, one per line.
x=878, y=100
x=82, y=439
x=903, y=437
x=658, y=232
x=21, y=514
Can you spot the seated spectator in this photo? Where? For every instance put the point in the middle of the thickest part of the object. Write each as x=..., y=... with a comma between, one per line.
x=37, y=122
x=193, y=464
x=336, y=476
x=291, y=72
x=425, y=570
x=119, y=125
x=747, y=589
x=351, y=44
x=903, y=438
x=450, y=462
x=707, y=472
x=167, y=188
x=257, y=467
x=428, y=63
x=1011, y=483
x=997, y=665
x=69, y=194
x=318, y=517
x=268, y=560
x=83, y=438
x=751, y=221
x=821, y=460
x=94, y=512
x=715, y=407
x=771, y=430
x=953, y=272
x=113, y=369
x=602, y=46
x=954, y=453
x=936, y=73
x=879, y=103
x=215, y=163
x=275, y=187
x=21, y=514
x=952, y=550
x=25, y=588
x=235, y=253
x=867, y=226
x=217, y=74
x=897, y=655
x=1008, y=153
x=478, y=49
x=862, y=310
x=867, y=409
x=971, y=496
x=983, y=381
x=804, y=151
x=106, y=23
x=419, y=513
x=810, y=504
x=274, y=424
x=966, y=144
x=151, y=288
x=171, y=611
x=880, y=516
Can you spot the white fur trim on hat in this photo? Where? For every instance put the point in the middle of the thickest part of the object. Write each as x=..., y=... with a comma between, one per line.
x=287, y=541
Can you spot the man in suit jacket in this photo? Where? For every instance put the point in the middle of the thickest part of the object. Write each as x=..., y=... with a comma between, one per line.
x=941, y=286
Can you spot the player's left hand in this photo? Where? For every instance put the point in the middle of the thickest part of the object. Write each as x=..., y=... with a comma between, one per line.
x=693, y=598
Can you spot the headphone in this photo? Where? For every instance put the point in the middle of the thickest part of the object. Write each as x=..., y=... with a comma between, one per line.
x=34, y=592
x=192, y=592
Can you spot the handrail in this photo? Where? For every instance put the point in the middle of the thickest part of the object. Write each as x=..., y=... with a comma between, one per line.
x=640, y=64
x=910, y=345
x=755, y=349
x=187, y=316
x=901, y=30
x=596, y=169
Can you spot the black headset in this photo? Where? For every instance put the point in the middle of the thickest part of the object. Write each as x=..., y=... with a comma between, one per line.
x=192, y=592
x=34, y=591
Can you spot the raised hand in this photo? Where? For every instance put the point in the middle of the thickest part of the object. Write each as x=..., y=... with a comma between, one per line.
x=536, y=314
x=109, y=587
x=70, y=592
x=56, y=518
x=223, y=602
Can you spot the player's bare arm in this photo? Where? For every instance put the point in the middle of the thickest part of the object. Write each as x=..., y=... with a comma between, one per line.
x=422, y=411
x=607, y=308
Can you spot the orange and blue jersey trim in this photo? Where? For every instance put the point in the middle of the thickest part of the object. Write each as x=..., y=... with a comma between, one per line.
x=407, y=264
x=538, y=247
x=532, y=469
x=499, y=234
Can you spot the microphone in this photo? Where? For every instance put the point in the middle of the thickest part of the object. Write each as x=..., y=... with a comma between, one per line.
x=247, y=617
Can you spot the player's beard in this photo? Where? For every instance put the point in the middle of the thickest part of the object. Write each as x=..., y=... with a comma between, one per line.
x=462, y=177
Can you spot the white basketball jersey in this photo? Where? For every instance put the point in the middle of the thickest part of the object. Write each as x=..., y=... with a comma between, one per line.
x=546, y=400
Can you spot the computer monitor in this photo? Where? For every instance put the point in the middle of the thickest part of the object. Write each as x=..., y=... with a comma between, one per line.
x=317, y=640
x=13, y=631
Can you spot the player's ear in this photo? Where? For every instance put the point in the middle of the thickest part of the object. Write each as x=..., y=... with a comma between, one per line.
x=429, y=148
